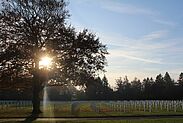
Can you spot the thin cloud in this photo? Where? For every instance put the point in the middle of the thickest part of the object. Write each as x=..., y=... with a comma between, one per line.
x=126, y=8
x=132, y=55
x=128, y=55
x=163, y=22
x=141, y=59
x=155, y=35
x=142, y=43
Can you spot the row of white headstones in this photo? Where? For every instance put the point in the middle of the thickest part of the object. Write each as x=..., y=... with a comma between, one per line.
x=16, y=104
x=118, y=106
x=146, y=106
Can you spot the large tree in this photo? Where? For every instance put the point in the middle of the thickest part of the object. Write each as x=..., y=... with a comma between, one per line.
x=30, y=29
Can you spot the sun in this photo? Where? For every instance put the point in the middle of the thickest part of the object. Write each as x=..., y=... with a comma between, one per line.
x=45, y=62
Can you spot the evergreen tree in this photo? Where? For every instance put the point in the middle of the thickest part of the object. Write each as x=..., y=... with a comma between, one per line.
x=169, y=86
x=107, y=91
x=180, y=87
x=119, y=84
x=180, y=80
x=105, y=81
x=169, y=82
x=136, y=88
x=159, y=81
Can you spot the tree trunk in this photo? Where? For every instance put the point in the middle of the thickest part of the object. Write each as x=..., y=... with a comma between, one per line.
x=39, y=79
x=36, y=94
x=36, y=90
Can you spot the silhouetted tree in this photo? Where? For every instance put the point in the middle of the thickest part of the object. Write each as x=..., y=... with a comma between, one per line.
x=180, y=86
x=123, y=88
x=180, y=80
x=94, y=88
x=168, y=81
x=169, y=86
x=107, y=91
x=98, y=89
x=30, y=29
x=162, y=88
x=148, y=88
x=105, y=81
x=136, y=88
x=119, y=88
x=159, y=87
x=119, y=84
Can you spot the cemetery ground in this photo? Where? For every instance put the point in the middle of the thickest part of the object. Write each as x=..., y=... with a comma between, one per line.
x=103, y=111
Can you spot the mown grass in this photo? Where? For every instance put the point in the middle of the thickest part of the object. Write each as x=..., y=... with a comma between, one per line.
x=180, y=120
x=58, y=113
x=164, y=120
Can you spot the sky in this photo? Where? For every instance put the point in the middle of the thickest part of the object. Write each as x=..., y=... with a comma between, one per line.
x=144, y=37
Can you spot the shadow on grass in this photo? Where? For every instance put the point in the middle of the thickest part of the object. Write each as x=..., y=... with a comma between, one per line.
x=30, y=118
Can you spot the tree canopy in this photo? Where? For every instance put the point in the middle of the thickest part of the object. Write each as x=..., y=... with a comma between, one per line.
x=30, y=29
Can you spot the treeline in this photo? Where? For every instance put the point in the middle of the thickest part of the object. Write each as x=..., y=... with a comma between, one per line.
x=159, y=88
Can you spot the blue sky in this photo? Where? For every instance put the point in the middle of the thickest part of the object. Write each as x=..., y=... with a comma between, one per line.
x=144, y=37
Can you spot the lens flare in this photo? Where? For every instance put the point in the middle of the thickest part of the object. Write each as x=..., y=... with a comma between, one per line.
x=45, y=62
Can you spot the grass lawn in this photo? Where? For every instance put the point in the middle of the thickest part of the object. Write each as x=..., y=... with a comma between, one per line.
x=25, y=112
x=123, y=121
x=165, y=120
